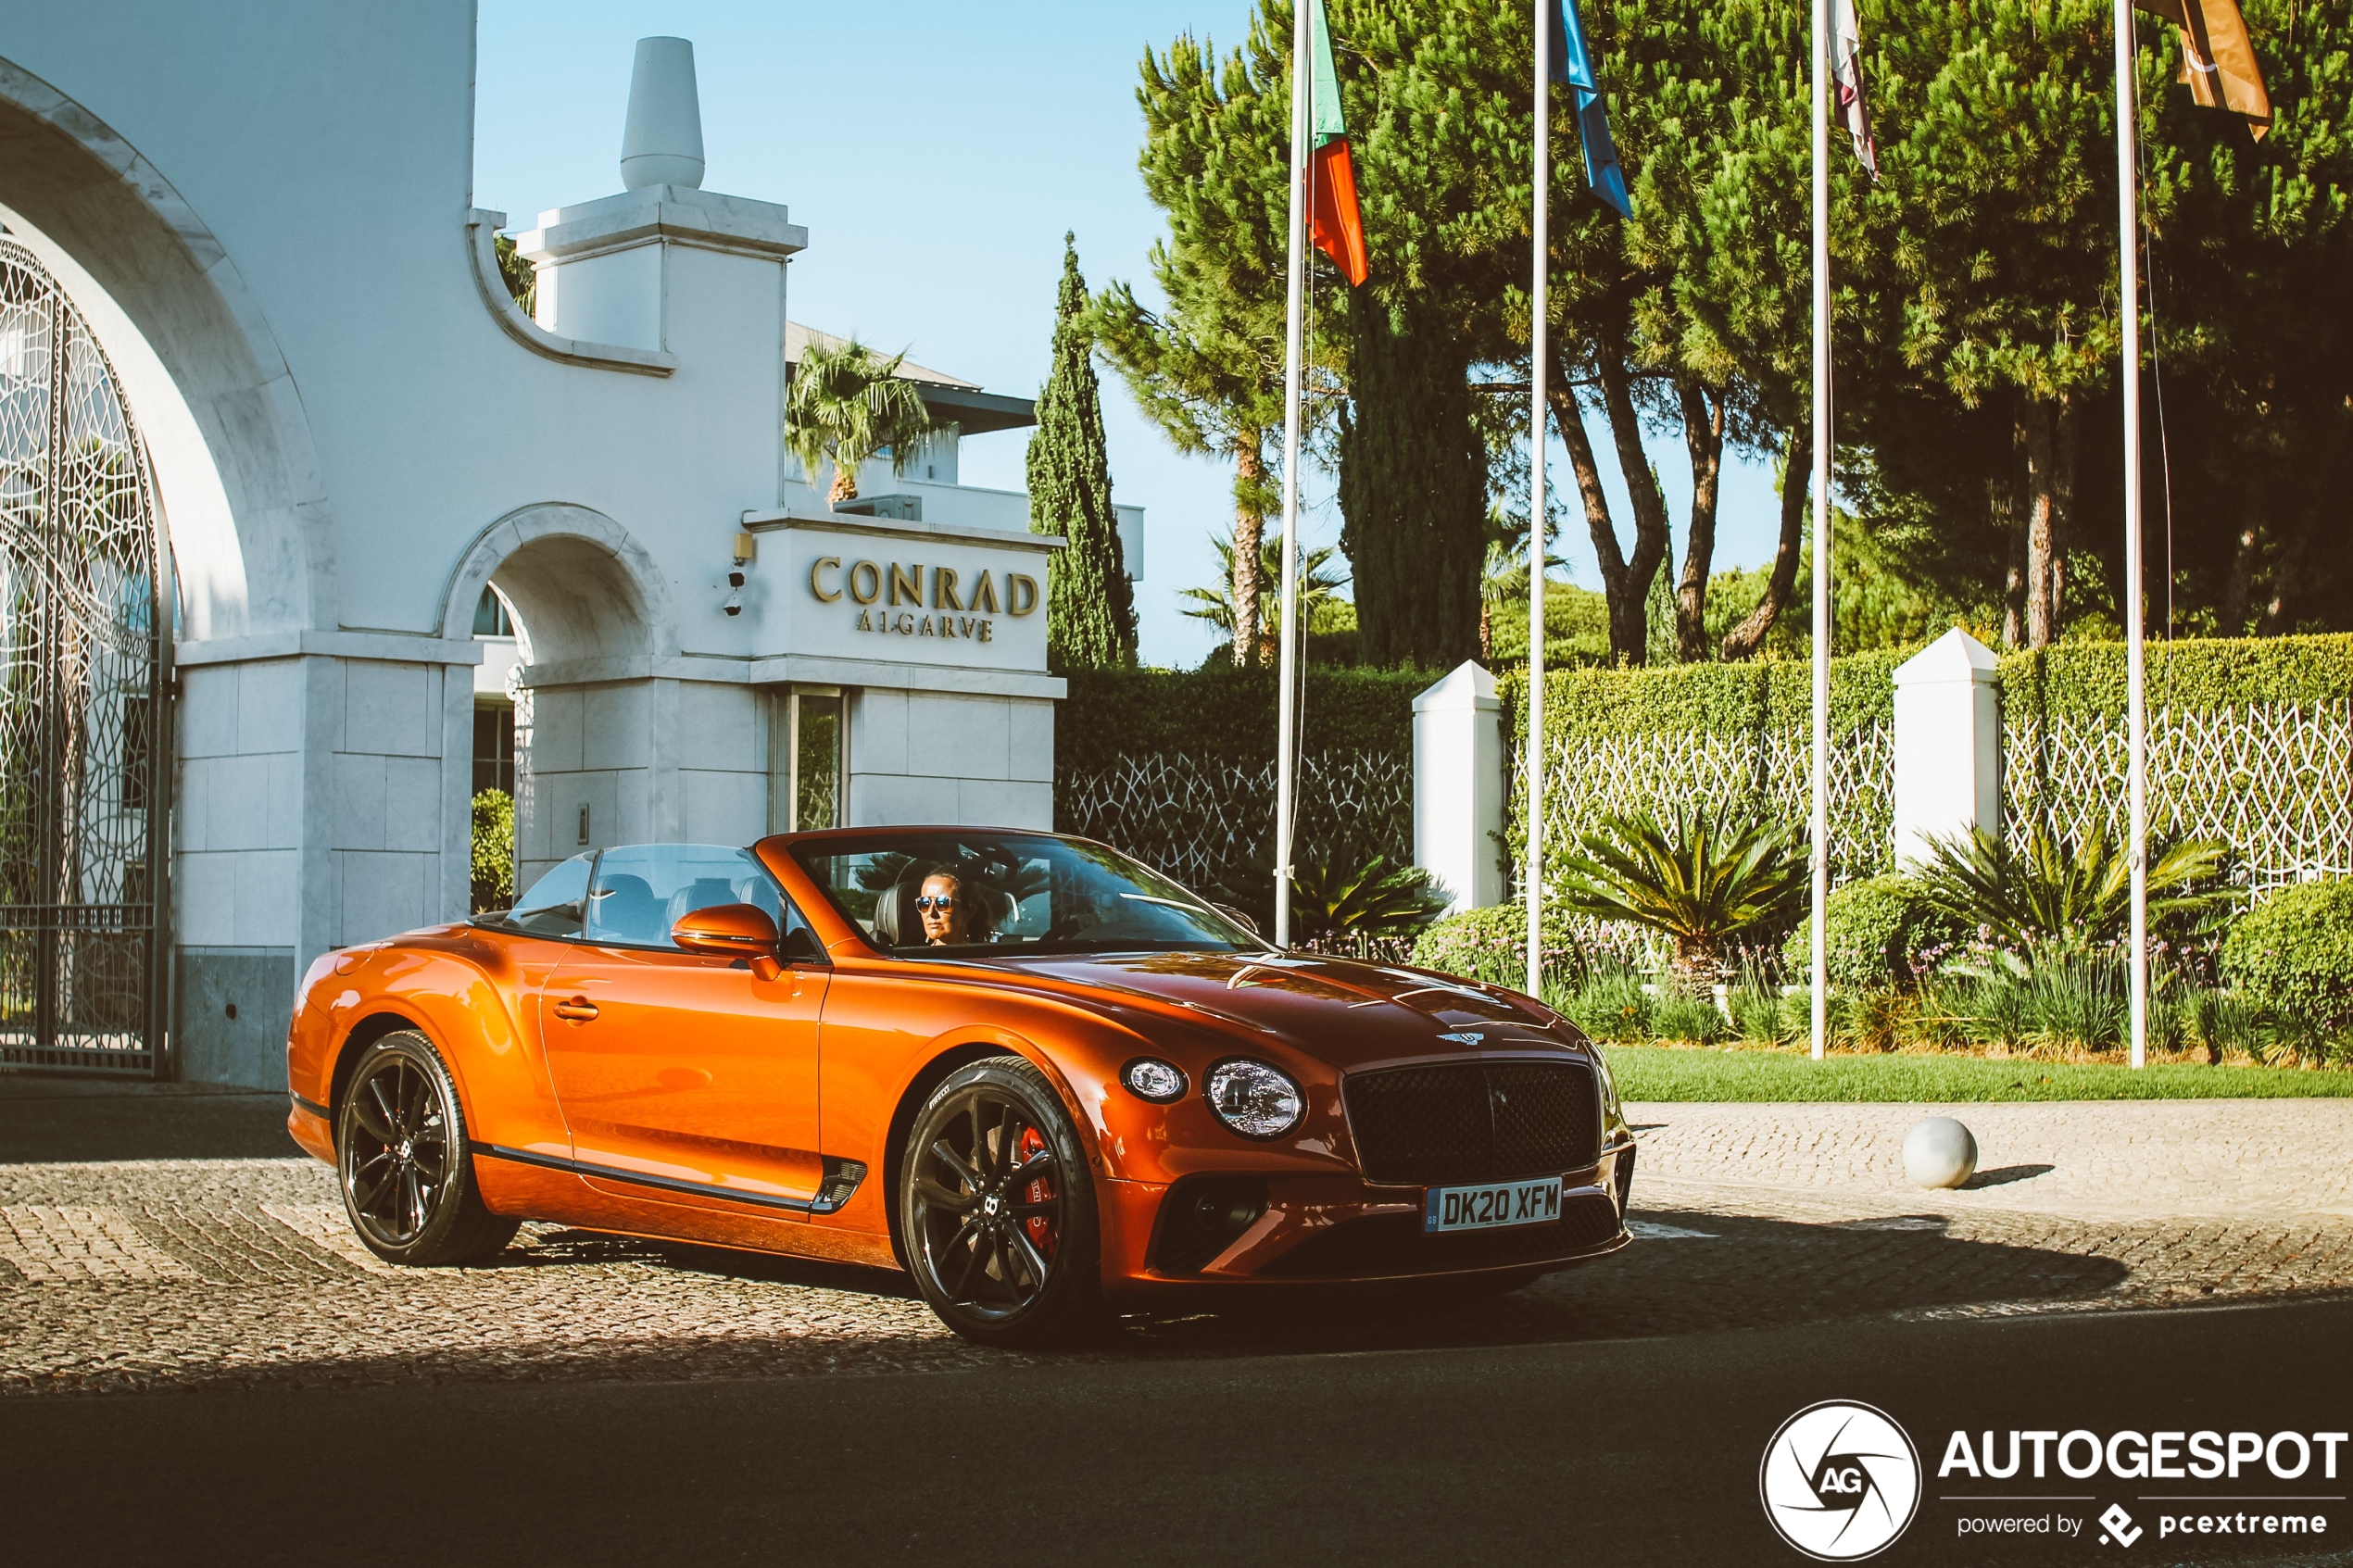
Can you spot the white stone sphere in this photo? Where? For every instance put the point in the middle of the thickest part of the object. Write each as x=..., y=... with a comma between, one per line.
x=1939, y=1152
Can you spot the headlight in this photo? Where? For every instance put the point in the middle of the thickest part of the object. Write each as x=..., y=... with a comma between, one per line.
x=1609, y=1085
x=1254, y=1099
x=1150, y=1078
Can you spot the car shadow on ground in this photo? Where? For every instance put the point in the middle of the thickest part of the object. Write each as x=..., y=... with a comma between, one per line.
x=1687, y=1272
x=78, y=1121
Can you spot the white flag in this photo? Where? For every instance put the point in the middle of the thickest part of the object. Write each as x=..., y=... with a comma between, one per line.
x=1846, y=73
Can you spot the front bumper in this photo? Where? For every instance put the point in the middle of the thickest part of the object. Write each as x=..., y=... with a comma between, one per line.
x=1320, y=1230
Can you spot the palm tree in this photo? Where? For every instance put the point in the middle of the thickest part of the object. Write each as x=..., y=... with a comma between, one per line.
x=1698, y=876
x=1318, y=586
x=2050, y=899
x=848, y=404
x=1505, y=579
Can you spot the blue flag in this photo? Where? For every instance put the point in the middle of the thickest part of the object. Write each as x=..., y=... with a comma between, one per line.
x=1573, y=65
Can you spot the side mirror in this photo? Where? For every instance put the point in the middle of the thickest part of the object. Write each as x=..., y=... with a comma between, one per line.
x=731, y=930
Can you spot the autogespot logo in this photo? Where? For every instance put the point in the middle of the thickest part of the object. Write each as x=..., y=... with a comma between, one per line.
x=1839, y=1481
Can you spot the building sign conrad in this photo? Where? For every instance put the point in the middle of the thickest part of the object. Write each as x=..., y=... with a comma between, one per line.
x=953, y=610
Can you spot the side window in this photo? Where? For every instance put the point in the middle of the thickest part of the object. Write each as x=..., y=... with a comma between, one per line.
x=642, y=889
x=557, y=902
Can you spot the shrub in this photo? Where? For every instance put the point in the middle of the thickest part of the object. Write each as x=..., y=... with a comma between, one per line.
x=1882, y=934
x=2054, y=896
x=1679, y=1015
x=1698, y=877
x=1492, y=944
x=2293, y=955
x=494, y=849
x=1374, y=899
x=1610, y=1004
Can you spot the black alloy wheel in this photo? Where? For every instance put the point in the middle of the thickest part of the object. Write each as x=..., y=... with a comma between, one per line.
x=405, y=1169
x=998, y=1210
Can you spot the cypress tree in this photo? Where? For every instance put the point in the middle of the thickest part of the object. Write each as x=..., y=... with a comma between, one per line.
x=1090, y=607
x=1413, y=492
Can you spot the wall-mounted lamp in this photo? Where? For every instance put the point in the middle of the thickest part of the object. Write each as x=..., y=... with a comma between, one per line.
x=735, y=605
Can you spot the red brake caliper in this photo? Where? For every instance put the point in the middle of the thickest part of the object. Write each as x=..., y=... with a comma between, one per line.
x=1041, y=1190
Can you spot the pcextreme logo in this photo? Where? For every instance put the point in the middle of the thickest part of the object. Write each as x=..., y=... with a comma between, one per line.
x=1841, y=1481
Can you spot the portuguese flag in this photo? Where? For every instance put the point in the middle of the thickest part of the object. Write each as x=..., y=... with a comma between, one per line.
x=1333, y=221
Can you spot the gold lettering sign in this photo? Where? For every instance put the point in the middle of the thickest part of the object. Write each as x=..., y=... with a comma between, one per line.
x=865, y=583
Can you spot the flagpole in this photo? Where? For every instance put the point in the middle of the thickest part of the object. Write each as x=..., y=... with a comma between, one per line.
x=1538, y=350
x=2135, y=691
x=1819, y=822
x=1294, y=332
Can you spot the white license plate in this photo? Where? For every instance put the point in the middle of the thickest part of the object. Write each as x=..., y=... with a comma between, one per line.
x=1491, y=1207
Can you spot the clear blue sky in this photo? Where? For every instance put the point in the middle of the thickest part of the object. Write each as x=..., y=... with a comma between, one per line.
x=936, y=153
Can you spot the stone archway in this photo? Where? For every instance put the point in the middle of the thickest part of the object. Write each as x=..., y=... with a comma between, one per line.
x=593, y=618
x=234, y=462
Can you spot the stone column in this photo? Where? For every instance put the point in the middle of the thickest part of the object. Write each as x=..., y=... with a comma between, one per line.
x=1458, y=786
x=1948, y=745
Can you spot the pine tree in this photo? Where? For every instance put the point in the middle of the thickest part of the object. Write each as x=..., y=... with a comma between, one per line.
x=1090, y=606
x=1208, y=368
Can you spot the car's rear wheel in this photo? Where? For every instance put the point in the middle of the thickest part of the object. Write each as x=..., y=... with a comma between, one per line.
x=407, y=1168
x=998, y=1211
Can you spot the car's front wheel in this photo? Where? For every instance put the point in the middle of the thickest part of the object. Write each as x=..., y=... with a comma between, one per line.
x=998, y=1210
x=406, y=1169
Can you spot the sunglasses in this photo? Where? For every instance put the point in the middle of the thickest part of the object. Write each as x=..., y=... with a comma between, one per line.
x=943, y=903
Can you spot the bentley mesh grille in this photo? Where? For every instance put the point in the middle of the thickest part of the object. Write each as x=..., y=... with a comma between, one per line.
x=1473, y=1122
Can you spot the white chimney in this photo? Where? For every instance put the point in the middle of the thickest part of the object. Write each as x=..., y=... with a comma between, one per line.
x=662, y=142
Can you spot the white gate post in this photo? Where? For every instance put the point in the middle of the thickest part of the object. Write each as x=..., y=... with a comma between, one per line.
x=1458, y=786
x=1948, y=742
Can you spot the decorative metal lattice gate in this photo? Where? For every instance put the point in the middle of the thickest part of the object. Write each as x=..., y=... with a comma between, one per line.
x=84, y=773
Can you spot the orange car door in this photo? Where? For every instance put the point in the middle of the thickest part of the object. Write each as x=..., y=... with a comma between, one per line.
x=684, y=1076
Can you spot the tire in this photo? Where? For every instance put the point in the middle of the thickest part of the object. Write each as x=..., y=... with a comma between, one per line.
x=404, y=1163
x=996, y=1210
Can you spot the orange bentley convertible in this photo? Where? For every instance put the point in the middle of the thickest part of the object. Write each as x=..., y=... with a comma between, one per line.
x=1044, y=1080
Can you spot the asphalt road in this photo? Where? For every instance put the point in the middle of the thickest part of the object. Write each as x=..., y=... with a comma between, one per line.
x=1617, y=1452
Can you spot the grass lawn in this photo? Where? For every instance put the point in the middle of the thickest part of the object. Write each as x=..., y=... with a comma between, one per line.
x=1663, y=1073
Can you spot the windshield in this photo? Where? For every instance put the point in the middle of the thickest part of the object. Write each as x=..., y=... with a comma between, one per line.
x=998, y=892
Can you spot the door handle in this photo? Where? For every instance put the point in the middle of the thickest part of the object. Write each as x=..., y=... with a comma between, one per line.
x=577, y=1009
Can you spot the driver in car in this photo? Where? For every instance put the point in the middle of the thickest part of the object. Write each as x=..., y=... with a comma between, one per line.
x=949, y=908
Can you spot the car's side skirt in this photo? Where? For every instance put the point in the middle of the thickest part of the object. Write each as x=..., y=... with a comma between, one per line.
x=704, y=1190
x=531, y=1186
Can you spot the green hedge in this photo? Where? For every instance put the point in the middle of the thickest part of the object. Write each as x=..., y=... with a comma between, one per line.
x=1229, y=714
x=2192, y=675
x=1491, y=944
x=1765, y=693
x=2293, y=955
x=1882, y=934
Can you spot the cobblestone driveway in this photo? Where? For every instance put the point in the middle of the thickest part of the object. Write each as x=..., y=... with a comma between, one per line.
x=124, y=1273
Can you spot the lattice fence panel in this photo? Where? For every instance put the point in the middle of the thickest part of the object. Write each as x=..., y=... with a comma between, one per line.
x=2275, y=782
x=1210, y=823
x=1763, y=770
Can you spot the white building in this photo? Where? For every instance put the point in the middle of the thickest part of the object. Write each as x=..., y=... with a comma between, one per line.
x=302, y=372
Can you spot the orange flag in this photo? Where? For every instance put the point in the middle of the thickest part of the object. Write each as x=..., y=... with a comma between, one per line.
x=2218, y=61
x=1333, y=221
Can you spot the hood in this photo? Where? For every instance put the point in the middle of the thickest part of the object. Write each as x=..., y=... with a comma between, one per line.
x=1343, y=1012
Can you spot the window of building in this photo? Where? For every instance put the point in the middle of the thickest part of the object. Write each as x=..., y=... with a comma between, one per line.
x=809, y=763
x=491, y=619
x=495, y=749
